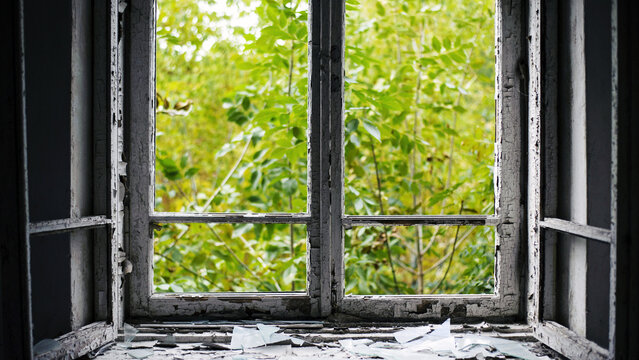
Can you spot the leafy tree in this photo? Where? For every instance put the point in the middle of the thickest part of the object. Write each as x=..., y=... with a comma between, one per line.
x=231, y=131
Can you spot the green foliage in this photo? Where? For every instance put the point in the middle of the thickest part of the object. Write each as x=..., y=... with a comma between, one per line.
x=231, y=136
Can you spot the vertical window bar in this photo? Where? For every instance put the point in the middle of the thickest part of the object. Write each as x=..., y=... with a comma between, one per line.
x=337, y=148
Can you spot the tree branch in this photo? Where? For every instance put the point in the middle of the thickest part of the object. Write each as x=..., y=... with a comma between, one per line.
x=381, y=210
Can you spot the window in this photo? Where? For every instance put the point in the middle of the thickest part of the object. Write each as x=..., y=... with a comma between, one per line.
x=346, y=201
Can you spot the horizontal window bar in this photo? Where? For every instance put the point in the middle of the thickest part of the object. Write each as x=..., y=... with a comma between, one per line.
x=427, y=307
x=567, y=342
x=569, y=227
x=226, y=306
x=230, y=218
x=67, y=225
x=408, y=220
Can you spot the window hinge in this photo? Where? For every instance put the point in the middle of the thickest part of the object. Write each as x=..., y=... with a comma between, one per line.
x=125, y=264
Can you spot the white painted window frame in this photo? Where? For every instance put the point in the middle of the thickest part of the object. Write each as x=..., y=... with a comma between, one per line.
x=325, y=218
x=542, y=189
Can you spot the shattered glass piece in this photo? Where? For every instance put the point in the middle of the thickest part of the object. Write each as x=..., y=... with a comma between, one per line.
x=298, y=342
x=441, y=331
x=386, y=345
x=358, y=347
x=278, y=339
x=441, y=345
x=412, y=333
x=267, y=331
x=504, y=346
x=418, y=334
x=168, y=341
x=140, y=353
x=215, y=346
x=244, y=338
x=45, y=345
x=129, y=333
x=273, y=350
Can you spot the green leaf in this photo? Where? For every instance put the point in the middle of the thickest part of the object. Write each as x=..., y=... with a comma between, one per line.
x=372, y=130
x=289, y=186
x=191, y=172
x=436, y=44
x=447, y=44
x=170, y=169
x=298, y=133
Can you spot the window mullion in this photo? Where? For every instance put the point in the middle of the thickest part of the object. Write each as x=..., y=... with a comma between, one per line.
x=337, y=148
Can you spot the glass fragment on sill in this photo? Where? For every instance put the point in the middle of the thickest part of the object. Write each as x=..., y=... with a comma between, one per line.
x=46, y=345
x=439, y=344
x=248, y=338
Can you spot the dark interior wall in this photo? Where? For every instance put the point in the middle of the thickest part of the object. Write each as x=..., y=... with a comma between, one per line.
x=48, y=89
x=598, y=155
x=48, y=84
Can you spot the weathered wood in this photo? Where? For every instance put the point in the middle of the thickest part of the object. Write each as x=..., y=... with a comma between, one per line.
x=15, y=279
x=376, y=332
x=509, y=86
x=569, y=227
x=337, y=154
x=428, y=307
x=567, y=342
x=68, y=225
x=314, y=148
x=324, y=134
x=230, y=306
x=139, y=122
x=534, y=162
x=230, y=218
x=80, y=342
x=411, y=220
x=102, y=197
x=117, y=166
x=549, y=158
x=624, y=245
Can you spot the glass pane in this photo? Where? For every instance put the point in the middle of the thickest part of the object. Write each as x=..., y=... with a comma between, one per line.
x=420, y=117
x=231, y=106
x=454, y=260
x=229, y=258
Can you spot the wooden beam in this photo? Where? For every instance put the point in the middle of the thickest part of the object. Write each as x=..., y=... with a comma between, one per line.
x=572, y=228
x=567, y=342
x=624, y=246
x=336, y=273
x=235, y=306
x=80, y=342
x=67, y=225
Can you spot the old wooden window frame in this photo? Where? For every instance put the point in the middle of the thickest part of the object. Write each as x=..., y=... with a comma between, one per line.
x=325, y=218
x=542, y=188
x=105, y=77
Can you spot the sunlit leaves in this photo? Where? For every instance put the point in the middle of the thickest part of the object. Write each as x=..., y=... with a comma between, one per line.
x=418, y=90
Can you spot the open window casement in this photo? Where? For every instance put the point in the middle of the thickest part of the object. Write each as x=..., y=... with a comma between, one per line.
x=578, y=189
x=71, y=203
